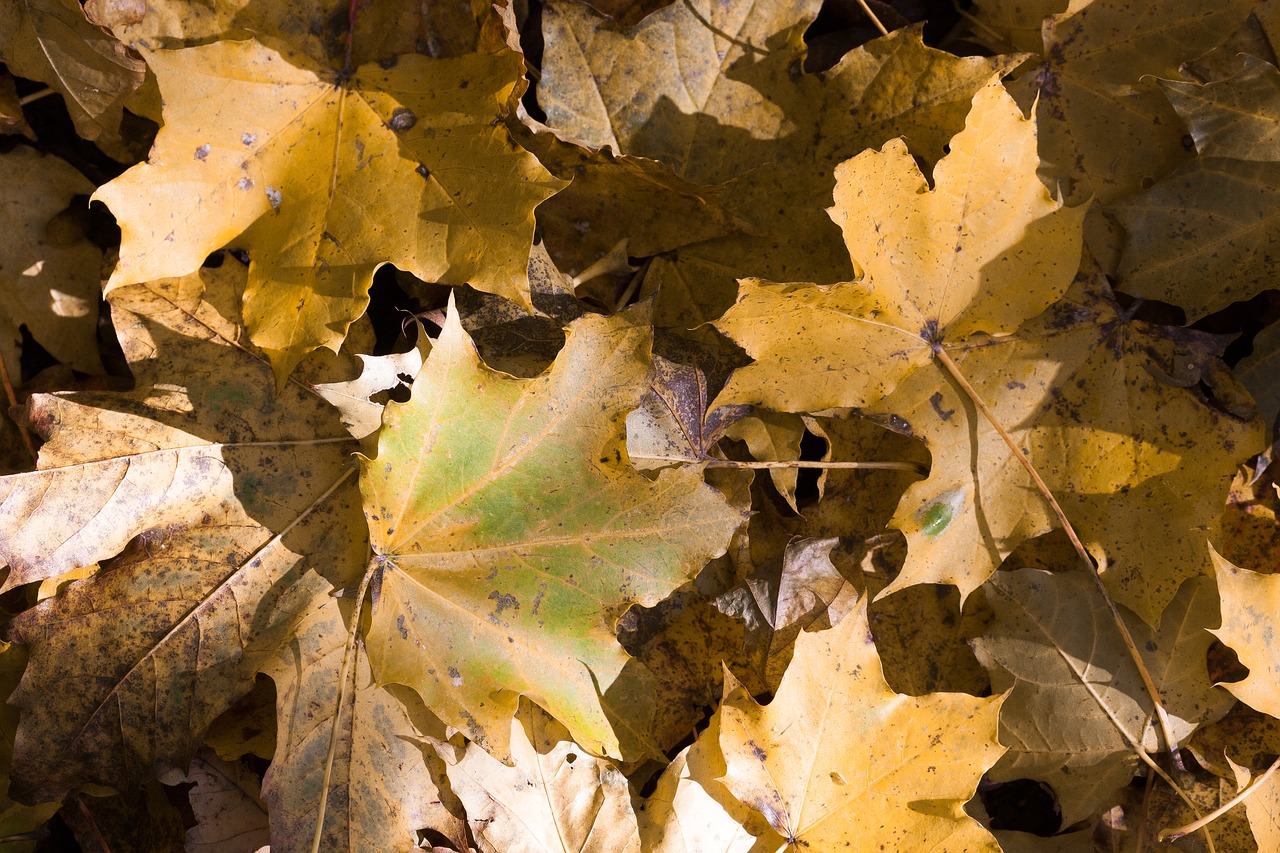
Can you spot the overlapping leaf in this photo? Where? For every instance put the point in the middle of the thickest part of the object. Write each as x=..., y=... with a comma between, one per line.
x=383, y=778
x=510, y=533
x=323, y=180
x=211, y=499
x=557, y=798
x=52, y=41
x=1106, y=126
x=981, y=251
x=717, y=91
x=1076, y=705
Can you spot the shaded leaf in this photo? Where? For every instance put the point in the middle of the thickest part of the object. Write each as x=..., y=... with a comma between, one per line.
x=48, y=280
x=717, y=91
x=382, y=786
x=1088, y=394
x=1233, y=117
x=939, y=265
x=226, y=799
x=1204, y=237
x=1106, y=127
x=52, y=41
x=224, y=493
x=1076, y=703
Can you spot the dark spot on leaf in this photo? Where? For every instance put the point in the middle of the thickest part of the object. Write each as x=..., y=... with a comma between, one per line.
x=404, y=632
x=423, y=171
x=936, y=402
x=202, y=152
x=502, y=601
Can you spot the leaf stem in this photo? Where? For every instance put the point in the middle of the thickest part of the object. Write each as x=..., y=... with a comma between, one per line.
x=35, y=96
x=1162, y=716
x=805, y=463
x=1178, y=832
x=872, y=16
x=348, y=656
x=12, y=397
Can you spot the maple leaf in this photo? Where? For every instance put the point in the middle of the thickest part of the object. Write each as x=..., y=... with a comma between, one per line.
x=982, y=251
x=690, y=811
x=1105, y=126
x=48, y=280
x=1087, y=393
x=837, y=759
x=556, y=797
x=1211, y=221
x=210, y=498
x=510, y=533
x=1076, y=704
x=322, y=182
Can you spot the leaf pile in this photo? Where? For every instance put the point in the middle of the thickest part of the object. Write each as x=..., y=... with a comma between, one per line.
x=606, y=426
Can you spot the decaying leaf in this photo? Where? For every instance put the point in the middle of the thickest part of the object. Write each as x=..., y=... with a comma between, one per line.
x=511, y=533
x=1204, y=237
x=556, y=604
x=1233, y=117
x=1106, y=127
x=382, y=784
x=210, y=499
x=717, y=91
x=838, y=760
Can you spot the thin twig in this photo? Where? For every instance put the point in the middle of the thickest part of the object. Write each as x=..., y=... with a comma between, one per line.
x=1165, y=728
x=872, y=15
x=1178, y=832
x=12, y=397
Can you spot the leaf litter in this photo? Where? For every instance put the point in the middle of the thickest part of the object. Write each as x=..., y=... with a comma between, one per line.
x=504, y=570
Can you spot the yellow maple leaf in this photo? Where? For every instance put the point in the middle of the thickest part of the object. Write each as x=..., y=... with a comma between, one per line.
x=838, y=761
x=323, y=179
